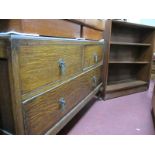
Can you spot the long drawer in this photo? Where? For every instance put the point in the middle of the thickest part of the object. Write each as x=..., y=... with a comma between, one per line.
x=42, y=112
x=44, y=64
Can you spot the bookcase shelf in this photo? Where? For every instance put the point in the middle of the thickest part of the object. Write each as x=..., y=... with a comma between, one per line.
x=125, y=85
x=129, y=62
x=129, y=44
x=128, y=54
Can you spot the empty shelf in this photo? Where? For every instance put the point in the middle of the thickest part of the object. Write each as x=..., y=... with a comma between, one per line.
x=124, y=85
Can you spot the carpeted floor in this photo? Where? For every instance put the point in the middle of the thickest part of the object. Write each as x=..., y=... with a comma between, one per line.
x=128, y=115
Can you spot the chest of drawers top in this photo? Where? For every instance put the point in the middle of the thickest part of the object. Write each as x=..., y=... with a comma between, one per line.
x=23, y=36
x=28, y=40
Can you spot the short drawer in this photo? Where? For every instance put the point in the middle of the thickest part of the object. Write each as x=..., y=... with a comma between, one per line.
x=42, y=112
x=93, y=54
x=89, y=33
x=40, y=65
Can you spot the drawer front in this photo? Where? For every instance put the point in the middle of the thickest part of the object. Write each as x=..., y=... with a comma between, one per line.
x=44, y=64
x=89, y=33
x=93, y=54
x=51, y=27
x=44, y=111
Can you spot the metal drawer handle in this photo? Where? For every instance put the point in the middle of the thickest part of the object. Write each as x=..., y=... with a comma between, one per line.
x=62, y=66
x=95, y=57
x=62, y=103
x=94, y=81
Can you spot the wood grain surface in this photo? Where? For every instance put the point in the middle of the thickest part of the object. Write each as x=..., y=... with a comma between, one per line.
x=10, y=25
x=90, y=52
x=30, y=66
x=97, y=23
x=39, y=65
x=118, y=93
x=44, y=111
x=92, y=34
x=51, y=27
x=44, y=27
x=128, y=55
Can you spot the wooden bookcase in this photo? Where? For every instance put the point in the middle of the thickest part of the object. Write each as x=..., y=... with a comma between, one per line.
x=153, y=63
x=128, y=54
x=153, y=69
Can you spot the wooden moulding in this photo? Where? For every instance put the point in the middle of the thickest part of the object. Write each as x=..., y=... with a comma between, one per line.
x=57, y=127
x=45, y=27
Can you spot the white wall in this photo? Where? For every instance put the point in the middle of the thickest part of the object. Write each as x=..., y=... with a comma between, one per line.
x=143, y=21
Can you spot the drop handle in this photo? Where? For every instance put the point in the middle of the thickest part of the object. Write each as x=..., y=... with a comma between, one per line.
x=95, y=56
x=94, y=79
x=62, y=103
x=62, y=66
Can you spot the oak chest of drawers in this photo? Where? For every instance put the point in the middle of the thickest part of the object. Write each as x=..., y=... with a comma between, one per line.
x=45, y=81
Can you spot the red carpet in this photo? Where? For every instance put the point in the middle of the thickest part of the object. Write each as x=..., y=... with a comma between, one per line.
x=128, y=115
